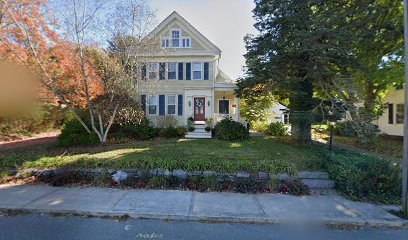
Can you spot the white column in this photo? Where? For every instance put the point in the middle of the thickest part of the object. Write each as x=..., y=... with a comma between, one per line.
x=237, y=110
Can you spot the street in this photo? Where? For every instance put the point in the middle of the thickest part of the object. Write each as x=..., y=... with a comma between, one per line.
x=24, y=227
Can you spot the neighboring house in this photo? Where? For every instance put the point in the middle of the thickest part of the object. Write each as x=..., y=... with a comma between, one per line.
x=191, y=83
x=278, y=113
x=391, y=122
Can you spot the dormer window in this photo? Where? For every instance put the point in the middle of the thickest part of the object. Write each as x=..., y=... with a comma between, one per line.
x=175, y=38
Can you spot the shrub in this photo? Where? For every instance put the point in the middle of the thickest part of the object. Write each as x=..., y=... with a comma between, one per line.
x=208, y=129
x=181, y=131
x=191, y=129
x=259, y=126
x=74, y=134
x=141, y=131
x=364, y=177
x=277, y=129
x=167, y=121
x=228, y=129
x=169, y=132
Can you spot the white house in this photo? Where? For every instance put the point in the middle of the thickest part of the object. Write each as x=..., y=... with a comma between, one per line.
x=391, y=122
x=190, y=83
x=278, y=113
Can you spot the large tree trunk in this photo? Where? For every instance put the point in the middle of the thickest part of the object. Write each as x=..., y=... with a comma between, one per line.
x=301, y=104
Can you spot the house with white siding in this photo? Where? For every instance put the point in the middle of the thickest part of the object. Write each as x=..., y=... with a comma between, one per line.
x=186, y=66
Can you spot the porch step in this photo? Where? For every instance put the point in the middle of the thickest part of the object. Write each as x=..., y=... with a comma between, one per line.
x=198, y=134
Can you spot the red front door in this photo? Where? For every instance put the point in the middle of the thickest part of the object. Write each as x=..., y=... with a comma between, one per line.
x=199, y=109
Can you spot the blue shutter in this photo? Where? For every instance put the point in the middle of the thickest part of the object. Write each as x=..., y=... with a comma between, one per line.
x=180, y=71
x=144, y=72
x=188, y=71
x=162, y=71
x=162, y=110
x=180, y=105
x=206, y=70
x=143, y=103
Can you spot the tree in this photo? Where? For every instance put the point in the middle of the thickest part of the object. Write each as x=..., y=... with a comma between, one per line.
x=300, y=46
x=26, y=37
x=379, y=50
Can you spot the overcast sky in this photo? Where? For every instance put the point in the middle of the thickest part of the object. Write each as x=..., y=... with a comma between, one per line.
x=223, y=22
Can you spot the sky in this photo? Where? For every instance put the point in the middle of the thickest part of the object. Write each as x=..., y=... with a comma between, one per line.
x=223, y=22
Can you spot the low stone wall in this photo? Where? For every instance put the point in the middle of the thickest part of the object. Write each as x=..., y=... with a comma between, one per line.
x=314, y=180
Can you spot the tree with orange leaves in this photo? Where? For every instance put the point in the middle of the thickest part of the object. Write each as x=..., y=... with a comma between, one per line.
x=64, y=68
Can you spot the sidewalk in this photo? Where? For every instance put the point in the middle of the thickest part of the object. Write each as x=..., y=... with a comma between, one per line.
x=185, y=205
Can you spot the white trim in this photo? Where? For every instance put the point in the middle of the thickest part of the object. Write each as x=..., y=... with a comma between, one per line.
x=201, y=73
x=148, y=70
x=167, y=104
x=167, y=71
x=200, y=37
x=148, y=105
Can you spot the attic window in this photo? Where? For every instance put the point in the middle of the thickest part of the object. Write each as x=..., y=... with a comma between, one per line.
x=175, y=38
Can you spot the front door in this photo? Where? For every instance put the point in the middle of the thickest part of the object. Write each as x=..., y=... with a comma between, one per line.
x=199, y=109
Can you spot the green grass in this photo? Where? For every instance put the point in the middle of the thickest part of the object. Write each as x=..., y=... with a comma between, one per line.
x=257, y=154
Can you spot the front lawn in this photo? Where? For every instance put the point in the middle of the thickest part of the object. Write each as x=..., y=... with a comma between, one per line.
x=257, y=154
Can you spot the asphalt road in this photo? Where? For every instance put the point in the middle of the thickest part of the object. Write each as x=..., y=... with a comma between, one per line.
x=24, y=227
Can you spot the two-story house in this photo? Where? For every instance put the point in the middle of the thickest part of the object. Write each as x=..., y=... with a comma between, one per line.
x=186, y=66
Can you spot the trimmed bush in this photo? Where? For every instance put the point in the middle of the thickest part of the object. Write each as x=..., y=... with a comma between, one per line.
x=208, y=129
x=74, y=134
x=181, y=131
x=276, y=129
x=141, y=131
x=228, y=129
x=362, y=177
x=169, y=132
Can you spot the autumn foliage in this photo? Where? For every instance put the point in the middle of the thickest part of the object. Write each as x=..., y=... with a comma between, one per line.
x=53, y=60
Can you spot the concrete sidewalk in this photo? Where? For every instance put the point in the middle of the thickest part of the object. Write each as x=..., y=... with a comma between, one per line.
x=185, y=205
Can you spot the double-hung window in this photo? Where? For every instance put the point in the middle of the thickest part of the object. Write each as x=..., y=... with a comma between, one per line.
x=165, y=42
x=186, y=42
x=400, y=113
x=153, y=71
x=171, y=105
x=197, y=71
x=175, y=38
x=172, y=74
x=152, y=102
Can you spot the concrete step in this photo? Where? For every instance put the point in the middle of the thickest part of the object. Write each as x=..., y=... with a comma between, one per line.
x=199, y=126
x=313, y=175
x=199, y=133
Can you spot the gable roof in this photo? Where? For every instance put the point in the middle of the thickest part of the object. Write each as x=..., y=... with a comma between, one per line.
x=211, y=46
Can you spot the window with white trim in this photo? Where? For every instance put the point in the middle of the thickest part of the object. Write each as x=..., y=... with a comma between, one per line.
x=165, y=42
x=172, y=71
x=171, y=105
x=223, y=106
x=186, y=42
x=153, y=71
x=152, y=103
x=197, y=70
x=175, y=38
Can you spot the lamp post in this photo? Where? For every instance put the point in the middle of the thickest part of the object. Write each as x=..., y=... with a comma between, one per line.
x=331, y=122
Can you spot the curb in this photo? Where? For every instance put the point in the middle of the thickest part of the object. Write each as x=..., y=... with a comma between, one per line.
x=214, y=219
